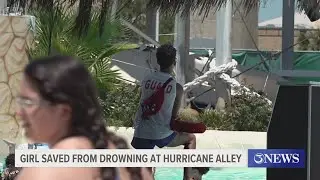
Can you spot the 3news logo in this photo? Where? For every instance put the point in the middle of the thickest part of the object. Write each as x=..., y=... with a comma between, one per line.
x=276, y=158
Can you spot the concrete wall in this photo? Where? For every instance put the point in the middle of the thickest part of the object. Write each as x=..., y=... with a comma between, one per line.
x=271, y=38
x=215, y=139
x=15, y=37
x=206, y=28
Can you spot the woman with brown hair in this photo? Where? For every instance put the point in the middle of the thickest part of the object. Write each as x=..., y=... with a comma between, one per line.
x=58, y=105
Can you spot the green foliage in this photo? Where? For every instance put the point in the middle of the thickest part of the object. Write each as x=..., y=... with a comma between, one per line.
x=309, y=40
x=120, y=104
x=304, y=41
x=245, y=113
x=135, y=13
x=55, y=35
x=166, y=28
x=189, y=114
x=216, y=120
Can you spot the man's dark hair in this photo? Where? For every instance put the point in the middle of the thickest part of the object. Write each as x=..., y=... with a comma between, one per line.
x=166, y=56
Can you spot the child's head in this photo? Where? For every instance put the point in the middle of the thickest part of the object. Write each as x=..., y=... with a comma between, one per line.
x=10, y=161
x=198, y=172
x=118, y=141
x=121, y=143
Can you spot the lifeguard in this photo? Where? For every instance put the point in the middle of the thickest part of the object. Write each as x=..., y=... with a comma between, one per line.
x=160, y=102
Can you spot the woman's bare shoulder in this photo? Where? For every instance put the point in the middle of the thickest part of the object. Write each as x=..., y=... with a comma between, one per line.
x=76, y=142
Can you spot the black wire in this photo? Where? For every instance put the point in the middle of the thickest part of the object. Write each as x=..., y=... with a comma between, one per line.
x=270, y=58
x=208, y=61
x=250, y=68
x=262, y=58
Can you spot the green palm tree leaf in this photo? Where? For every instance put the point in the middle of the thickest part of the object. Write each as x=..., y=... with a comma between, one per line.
x=116, y=49
x=102, y=9
x=55, y=36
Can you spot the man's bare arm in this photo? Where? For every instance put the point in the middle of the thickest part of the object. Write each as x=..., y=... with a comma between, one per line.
x=177, y=101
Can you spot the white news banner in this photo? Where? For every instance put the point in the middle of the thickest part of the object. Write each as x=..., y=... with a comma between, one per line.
x=131, y=158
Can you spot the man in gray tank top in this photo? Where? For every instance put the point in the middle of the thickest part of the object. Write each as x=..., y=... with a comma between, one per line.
x=146, y=134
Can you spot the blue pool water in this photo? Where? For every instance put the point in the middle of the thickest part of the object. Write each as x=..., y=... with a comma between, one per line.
x=219, y=174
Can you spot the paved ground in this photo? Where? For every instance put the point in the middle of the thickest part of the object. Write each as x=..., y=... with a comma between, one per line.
x=217, y=139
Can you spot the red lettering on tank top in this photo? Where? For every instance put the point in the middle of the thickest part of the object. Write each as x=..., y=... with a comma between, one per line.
x=153, y=85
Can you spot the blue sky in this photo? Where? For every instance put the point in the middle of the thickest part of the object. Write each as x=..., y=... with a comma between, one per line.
x=271, y=9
